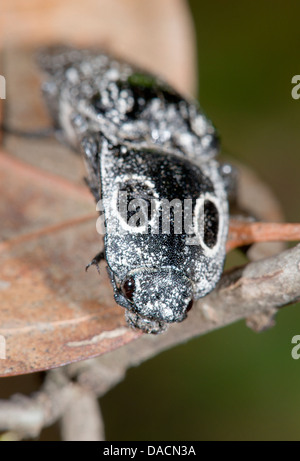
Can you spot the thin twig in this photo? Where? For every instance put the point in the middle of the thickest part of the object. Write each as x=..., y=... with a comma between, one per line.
x=246, y=233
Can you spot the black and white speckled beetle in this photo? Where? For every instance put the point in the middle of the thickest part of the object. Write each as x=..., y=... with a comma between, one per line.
x=140, y=137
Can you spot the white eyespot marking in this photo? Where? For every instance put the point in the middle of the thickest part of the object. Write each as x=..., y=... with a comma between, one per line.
x=208, y=223
x=135, y=203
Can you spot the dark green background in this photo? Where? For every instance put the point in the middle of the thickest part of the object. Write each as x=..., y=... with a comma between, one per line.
x=232, y=383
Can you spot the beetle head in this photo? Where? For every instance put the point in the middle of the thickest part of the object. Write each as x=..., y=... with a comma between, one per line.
x=155, y=298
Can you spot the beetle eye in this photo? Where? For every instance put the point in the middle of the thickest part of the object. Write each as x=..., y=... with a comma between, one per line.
x=128, y=288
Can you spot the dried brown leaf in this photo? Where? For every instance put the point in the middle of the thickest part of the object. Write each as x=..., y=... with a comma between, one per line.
x=51, y=311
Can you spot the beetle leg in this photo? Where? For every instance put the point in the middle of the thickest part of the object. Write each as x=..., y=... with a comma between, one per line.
x=96, y=261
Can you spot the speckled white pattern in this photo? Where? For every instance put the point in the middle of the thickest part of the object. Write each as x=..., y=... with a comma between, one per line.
x=140, y=137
